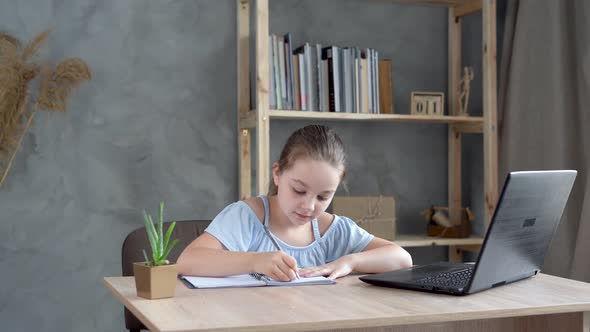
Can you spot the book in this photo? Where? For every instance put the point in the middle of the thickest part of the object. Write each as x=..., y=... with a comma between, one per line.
x=375, y=64
x=289, y=70
x=282, y=73
x=296, y=84
x=385, y=87
x=364, y=93
x=271, y=97
x=276, y=69
x=249, y=280
x=319, y=79
x=332, y=56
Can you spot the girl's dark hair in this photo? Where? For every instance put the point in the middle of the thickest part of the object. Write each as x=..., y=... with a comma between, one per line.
x=315, y=142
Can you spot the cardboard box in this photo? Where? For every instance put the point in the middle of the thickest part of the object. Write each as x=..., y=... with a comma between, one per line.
x=375, y=214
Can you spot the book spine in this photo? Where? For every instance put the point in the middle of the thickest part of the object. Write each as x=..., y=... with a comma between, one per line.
x=338, y=79
x=369, y=81
x=357, y=89
x=364, y=84
x=297, y=93
x=376, y=79
x=302, y=82
x=327, y=55
x=289, y=71
x=320, y=78
x=271, y=82
x=277, y=80
x=282, y=71
x=325, y=87
x=385, y=87
x=345, y=82
x=309, y=67
x=350, y=79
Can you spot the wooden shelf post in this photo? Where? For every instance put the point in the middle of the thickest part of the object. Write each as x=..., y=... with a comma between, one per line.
x=454, y=135
x=262, y=103
x=243, y=66
x=490, y=106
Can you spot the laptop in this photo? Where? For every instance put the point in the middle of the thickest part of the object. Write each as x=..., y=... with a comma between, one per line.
x=529, y=209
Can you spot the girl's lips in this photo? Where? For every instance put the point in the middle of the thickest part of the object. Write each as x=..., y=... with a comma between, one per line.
x=302, y=216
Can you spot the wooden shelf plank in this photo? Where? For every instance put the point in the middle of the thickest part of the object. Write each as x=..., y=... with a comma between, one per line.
x=297, y=115
x=466, y=3
x=425, y=241
x=466, y=124
x=468, y=7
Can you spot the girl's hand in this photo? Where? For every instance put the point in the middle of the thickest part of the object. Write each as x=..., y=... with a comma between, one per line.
x=276, y=264
x=336, y=269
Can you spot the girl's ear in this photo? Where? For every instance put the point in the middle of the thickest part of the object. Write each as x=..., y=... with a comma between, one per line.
x=275, y=173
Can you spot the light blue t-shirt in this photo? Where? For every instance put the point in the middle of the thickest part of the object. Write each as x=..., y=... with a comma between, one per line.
x=238, y=228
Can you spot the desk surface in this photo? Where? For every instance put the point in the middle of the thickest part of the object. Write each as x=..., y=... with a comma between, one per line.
x=348, y=304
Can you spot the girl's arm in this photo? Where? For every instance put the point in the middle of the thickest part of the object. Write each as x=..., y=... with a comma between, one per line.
x=379, y=256
x=206, y=256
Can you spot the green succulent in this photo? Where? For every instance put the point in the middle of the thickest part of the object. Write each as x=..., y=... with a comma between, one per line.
x=160, y=244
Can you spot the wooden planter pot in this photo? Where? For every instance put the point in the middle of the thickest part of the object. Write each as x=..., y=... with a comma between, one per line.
x=155, y=282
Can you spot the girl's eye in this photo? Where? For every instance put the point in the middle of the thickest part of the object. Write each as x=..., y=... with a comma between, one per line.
x=298, y=192
x=321, y=198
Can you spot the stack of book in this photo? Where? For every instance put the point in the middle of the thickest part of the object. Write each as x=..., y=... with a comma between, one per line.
x=328, y=79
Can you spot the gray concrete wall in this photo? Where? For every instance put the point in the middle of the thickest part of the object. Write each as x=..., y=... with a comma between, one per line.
x=157, y=122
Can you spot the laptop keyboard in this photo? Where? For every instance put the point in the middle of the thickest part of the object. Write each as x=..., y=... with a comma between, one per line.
x=448, y=279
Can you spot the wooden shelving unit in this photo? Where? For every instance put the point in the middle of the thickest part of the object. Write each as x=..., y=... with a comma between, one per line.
x=257, y=121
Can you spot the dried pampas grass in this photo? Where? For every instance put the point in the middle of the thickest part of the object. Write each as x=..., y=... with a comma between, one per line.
x=57, y=85
x=17, y=70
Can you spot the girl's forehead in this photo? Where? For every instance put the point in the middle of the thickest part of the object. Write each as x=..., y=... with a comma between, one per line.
x=316, y=173
x=308, y=163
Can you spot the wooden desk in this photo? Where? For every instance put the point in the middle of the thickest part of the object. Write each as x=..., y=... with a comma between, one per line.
x=541, y=303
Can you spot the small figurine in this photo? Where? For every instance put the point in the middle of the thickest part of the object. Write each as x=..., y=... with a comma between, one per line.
x=464, y=86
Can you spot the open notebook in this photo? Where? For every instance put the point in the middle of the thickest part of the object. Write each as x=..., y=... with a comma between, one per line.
x=249, y=280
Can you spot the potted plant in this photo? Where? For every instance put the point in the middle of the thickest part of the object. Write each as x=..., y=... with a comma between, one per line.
x=156, y=277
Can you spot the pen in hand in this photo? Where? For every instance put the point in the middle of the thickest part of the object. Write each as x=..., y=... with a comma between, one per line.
x=296, y=273
x=294, y=269
x=274, y=242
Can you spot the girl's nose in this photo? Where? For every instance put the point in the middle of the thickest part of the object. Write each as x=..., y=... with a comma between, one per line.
x=308, y=203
